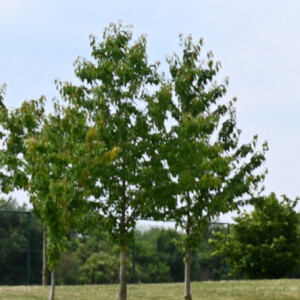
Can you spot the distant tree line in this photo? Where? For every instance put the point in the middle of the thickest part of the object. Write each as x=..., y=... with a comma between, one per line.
x=261, y=244
x=14, y=245
x=91, y=257
x=155, y=256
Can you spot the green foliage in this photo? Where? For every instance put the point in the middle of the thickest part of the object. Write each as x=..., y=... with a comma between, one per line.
x=17, y=125
x=11, y=204
x=14, y=243
x=156, y=256
x=212, y=173
x=58, y=172
x=92, y=258
x=4, y=183
x=95, y=259
x=206, y=266
x=100, y=268
x=50, y=156
x=264, y=243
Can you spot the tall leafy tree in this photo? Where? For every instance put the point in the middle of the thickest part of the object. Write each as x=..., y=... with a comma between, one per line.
x=212, y=173
x=115, y=96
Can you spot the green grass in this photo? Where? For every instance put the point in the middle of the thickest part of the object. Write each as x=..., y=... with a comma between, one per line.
x=223, y=290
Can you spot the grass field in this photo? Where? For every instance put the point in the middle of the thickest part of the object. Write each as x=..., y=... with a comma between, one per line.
x=224, y=290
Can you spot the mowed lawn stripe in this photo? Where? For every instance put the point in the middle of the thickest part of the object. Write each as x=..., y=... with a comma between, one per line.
x=284, y=289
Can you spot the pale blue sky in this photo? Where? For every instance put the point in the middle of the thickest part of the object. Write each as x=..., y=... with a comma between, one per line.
x=257, y=42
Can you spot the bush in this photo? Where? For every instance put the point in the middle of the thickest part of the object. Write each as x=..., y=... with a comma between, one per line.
x=264, y=243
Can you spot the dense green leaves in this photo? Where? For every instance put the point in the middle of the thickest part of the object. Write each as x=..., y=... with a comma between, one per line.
x=39, y=156
x=263, y=243
x=17, y=225
x=92, y=258
x=115, y=99
x=212, y=172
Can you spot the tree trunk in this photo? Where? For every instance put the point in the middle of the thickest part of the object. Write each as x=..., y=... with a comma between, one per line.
x=123, y=288
x=45, y=270
x=187, y=275
x=52, y=291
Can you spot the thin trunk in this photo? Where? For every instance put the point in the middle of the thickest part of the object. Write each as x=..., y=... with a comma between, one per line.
x=123, y=288
x=52, y=291
x=188, y=255
x=45, y=270
x=123, y=283
x=187, y=275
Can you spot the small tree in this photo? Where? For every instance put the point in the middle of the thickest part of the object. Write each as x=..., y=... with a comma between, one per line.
x=19, y=125
x=22, y=127
x=49, y=157
x=211, y=172
x=264, y=243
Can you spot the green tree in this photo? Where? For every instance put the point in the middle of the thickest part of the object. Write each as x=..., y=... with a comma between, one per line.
x=211, y=172
x=22, y=128
x=49, y=156
x=264, y=243
x=115, y=98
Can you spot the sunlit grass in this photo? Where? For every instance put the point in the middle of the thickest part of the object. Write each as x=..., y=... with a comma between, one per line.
x=223, y=290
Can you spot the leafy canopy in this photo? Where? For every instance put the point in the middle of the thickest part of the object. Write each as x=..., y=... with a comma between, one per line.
x=211, y=171
x=115, y=97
